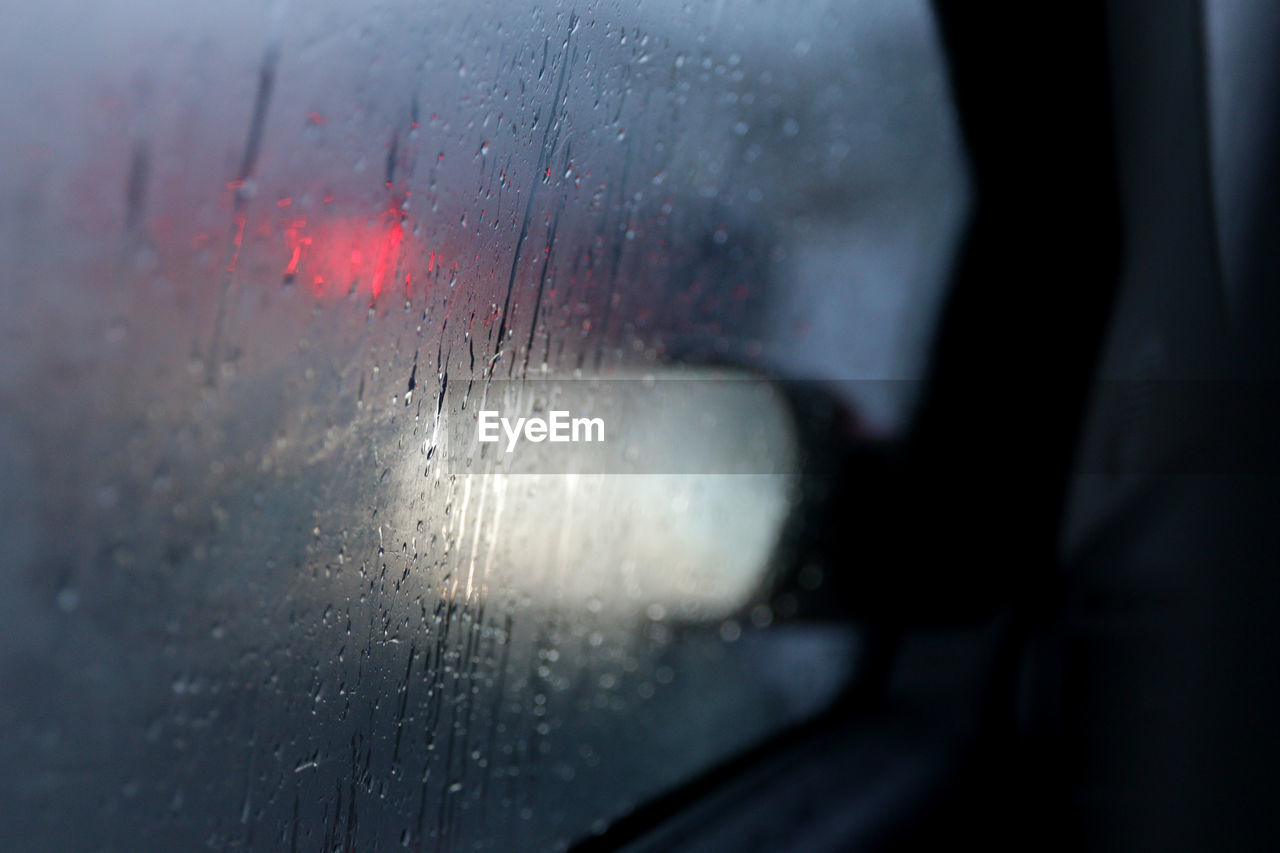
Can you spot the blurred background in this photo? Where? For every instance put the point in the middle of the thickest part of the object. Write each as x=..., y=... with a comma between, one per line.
x=261, y=259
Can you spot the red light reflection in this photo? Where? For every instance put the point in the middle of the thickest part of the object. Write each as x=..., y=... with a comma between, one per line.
x=339, y=256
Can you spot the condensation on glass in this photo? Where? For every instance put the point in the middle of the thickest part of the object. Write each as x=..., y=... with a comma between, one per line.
x=247, y=249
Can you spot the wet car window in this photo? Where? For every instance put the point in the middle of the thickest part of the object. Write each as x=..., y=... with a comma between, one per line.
x=261, y=260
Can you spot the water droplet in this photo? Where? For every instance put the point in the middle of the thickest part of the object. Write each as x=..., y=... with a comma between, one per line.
x=68, y=599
